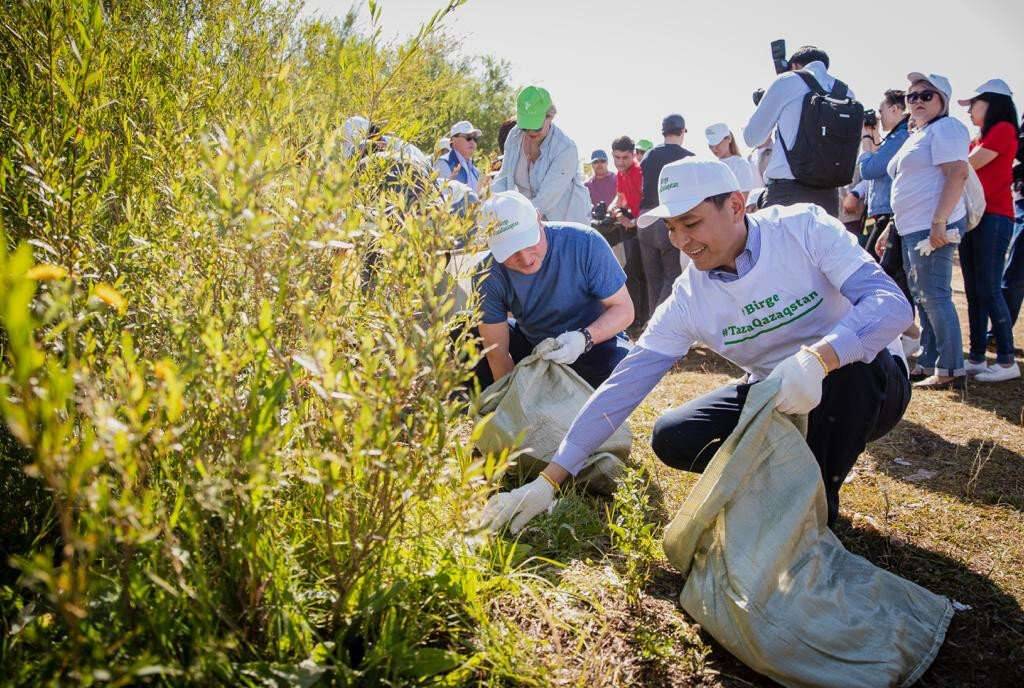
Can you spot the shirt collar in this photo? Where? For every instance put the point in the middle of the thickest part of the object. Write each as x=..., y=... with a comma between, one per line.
x=818, y=69
x=747, y=258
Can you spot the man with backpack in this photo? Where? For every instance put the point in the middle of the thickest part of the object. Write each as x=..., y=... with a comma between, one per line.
x=817, y=127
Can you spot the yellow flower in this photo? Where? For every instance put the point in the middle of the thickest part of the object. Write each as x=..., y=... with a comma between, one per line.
x=46, y=272
x=110, y=296
x=164, y=370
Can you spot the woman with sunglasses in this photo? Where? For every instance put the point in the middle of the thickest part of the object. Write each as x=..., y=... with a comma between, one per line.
x=542, y=163
x=457, y=164
x=983, y=250
x=929, y=173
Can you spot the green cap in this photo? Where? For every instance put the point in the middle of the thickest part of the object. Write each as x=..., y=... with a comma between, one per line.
x=644, y=145
x=532, y=107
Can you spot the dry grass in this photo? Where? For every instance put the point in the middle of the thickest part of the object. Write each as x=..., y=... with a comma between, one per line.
x=939, y=501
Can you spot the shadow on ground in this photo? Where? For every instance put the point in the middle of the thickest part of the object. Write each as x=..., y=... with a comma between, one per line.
x=981, y=471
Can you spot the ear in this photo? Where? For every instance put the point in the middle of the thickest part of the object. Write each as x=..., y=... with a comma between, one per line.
x=737, y=205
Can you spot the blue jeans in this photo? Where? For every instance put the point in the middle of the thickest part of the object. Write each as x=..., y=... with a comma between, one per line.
x=982, y=256
x=931, y=283
x=1013, y=276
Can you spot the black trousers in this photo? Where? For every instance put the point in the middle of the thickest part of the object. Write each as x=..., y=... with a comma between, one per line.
x=595, y=366
x=860, y=403
x=636, y=278
x=891, y=259
x=790, y=191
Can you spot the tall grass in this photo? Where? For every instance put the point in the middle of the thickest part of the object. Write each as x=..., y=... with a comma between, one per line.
x=230, y=458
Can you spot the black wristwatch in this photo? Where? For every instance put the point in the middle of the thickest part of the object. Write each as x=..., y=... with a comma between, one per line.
x=590, y=340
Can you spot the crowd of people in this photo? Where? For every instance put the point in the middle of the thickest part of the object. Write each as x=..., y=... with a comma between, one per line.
x=748, y=256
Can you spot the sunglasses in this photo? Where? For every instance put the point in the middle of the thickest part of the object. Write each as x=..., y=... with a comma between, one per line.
x=469, y=138
x=923, y=96
x=534, y=131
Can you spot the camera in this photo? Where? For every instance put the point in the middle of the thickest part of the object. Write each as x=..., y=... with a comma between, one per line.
x=607, y=224
x=779, y=56
x=870, y=118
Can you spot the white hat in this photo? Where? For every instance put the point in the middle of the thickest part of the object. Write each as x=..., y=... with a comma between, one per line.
x=444, y=143
x=716, y=132
x=684, y=184
x=518, y=226
x=991, y=86
x=463, y=128
x=354, y=133
x=937, y=80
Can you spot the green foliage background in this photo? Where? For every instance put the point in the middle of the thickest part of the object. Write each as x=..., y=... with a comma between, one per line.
x=229, y=459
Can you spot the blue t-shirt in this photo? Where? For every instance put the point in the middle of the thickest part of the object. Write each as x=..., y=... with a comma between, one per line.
x=578, y=272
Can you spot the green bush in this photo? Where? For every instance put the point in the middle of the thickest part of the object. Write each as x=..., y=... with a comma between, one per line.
x=233, y=458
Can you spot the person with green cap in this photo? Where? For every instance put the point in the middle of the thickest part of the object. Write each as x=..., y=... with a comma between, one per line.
x=642, y=146
x=542, y=163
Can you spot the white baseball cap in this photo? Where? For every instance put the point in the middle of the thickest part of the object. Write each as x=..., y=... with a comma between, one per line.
x=991, y=86
x=716, y=132
x=937, y=80
x=464, y=128
x=517, y=224
x=354, y=133
x=684, y=184
x=444, y=143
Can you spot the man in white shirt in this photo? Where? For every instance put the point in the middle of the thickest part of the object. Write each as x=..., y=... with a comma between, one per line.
x=779, y=110
x=785, y=294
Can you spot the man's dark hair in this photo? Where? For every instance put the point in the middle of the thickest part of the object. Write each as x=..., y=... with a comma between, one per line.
x=896, y=97
x=1000, y=109
x=807, y=54
x=503, y=131
x=719, y=199
x=623, y=144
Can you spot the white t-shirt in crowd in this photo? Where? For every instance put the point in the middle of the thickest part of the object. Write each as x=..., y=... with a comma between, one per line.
x=916, y=177
x=790, y=298
x=743, y=170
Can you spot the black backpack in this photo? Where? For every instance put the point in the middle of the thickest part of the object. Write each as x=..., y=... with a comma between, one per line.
x=824, y=154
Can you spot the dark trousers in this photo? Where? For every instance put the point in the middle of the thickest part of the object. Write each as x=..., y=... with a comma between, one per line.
x=881, y=222
x=982, y=257
x=860, y=402
x=636, y=280
x=891, y=259
x=661, y=263
x=1013, y=276
x=595, y=366
x=790, y=191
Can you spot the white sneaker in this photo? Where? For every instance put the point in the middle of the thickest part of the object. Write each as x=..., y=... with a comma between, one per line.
x=999, y=373
x=976, y=368
x=911, y=345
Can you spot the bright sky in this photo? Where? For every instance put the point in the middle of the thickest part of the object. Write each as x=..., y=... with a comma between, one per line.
x=617, y=67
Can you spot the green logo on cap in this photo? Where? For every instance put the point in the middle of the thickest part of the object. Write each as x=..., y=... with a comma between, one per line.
x=667, y=184
x=506, y=226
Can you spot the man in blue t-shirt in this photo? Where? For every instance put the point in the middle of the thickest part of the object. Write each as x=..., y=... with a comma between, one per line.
x=558, y=281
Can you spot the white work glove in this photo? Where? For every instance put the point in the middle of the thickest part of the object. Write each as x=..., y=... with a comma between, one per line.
x=924, y=247
x=570, y=347
x=523, y=502
x=800, y=378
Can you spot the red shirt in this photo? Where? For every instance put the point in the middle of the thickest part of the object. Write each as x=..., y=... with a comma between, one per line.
x=631, y=185
x=997, y=176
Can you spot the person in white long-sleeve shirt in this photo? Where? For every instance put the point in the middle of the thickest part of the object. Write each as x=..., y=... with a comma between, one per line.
x=786, y=294
x=779, y=111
